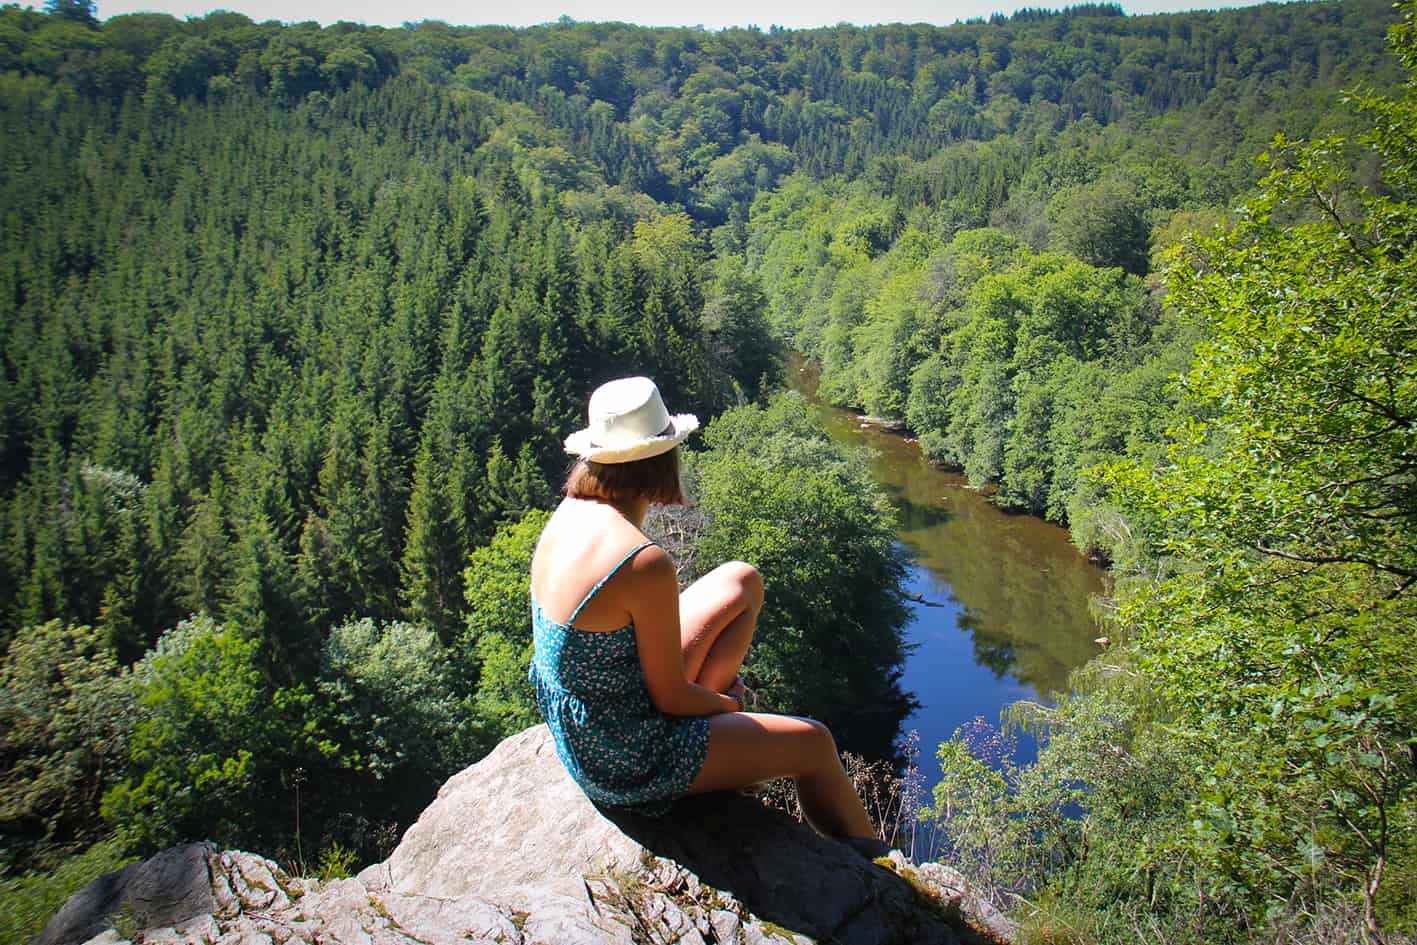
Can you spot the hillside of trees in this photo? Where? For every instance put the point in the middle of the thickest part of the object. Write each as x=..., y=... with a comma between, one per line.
x=296, y=318
x=1243, y=752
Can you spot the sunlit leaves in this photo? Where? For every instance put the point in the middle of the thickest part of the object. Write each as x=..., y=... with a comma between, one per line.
x=779, y=495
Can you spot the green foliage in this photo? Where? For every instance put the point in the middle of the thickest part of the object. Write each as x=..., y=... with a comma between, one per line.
x=1267, y=666
x=214, y=740
x=399, y=706
x=496, y=646
x=1296, y=499
x=778, y=494
x=739, y=337
x=66, y=713
x=27, y=902
x=81, y=11
x=1091, y=823
x=211, y=406
x=710, y=120
x=1104, y=224
x=336, y=862
x=1316, y=387
x=1019, y=369
x=497, y=581
x=319, y=420
x=505, y=701
x=432, y=545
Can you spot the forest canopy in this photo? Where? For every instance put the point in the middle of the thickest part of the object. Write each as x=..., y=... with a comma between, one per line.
x=295, y=319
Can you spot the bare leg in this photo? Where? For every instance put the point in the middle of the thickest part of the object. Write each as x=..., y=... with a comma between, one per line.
x=717, y=616
x=745, y=748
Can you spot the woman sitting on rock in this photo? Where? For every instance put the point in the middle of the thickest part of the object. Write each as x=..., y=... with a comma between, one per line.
x=638, y=683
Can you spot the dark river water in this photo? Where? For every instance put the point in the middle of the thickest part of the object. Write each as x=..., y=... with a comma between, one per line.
x=1013, y=592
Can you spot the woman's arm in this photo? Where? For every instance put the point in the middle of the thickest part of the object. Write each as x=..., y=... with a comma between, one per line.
x=653, y=600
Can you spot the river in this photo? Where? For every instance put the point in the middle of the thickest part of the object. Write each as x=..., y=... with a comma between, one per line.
x=1012, y=592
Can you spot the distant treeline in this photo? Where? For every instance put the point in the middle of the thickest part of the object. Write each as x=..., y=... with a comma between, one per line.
x=706, y=118
x=294, y=321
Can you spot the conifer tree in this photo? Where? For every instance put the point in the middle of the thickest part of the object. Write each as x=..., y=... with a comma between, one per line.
x=203, y=553
x=433, y=548
x=260, y=599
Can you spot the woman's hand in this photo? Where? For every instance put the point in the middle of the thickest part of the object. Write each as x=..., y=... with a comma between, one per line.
x=738, y=692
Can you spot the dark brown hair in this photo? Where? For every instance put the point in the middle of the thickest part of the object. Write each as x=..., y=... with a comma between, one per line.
x=655, y=478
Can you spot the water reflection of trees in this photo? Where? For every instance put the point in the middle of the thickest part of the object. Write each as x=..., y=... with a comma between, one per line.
x=916, y=516
x=999, y=656
x=1022, y=591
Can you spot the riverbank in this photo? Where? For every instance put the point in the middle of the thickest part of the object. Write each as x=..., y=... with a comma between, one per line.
x=1000, y=601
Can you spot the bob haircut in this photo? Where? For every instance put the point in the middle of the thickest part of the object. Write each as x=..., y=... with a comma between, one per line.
x=655, y=478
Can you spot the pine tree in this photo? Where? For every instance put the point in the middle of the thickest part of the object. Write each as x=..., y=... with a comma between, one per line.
x=203, y=552
x=260, y=599
x=431, y=572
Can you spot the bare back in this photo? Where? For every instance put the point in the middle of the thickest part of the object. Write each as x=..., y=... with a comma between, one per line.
x=580, y=544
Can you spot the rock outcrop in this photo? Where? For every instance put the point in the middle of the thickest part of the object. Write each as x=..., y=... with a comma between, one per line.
x=171, y=887
x=512, y=852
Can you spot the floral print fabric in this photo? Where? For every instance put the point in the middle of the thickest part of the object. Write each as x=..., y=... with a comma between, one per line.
x=615, y=744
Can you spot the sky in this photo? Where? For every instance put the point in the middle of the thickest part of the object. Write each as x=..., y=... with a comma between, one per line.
x=716, y=14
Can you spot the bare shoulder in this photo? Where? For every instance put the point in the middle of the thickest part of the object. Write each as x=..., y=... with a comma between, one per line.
x=589, y=537
x=653, y=563
x=653, y=587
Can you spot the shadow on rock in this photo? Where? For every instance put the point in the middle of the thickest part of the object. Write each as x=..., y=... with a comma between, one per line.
x=785, y=873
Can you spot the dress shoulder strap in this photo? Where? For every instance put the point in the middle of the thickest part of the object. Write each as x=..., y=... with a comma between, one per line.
x=601, y=583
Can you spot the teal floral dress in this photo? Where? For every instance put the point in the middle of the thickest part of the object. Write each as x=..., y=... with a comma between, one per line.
x=615, y=744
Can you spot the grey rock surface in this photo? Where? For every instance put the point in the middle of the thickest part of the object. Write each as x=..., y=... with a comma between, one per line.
x=169, y=888
x=512, y=852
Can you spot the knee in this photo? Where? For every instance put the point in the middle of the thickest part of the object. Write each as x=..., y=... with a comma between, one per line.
x=821, y=745
x=749, y=582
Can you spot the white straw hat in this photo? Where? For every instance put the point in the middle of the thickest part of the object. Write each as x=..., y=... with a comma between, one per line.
x=628, y=422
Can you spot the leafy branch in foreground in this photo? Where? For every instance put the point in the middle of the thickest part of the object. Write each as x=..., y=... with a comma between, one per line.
x=1283, y=650
x=1265, y=681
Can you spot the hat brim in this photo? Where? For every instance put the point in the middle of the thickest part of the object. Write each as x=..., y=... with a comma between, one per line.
x=680, y=426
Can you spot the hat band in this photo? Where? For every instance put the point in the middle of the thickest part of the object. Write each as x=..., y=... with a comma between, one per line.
x=667, y=431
